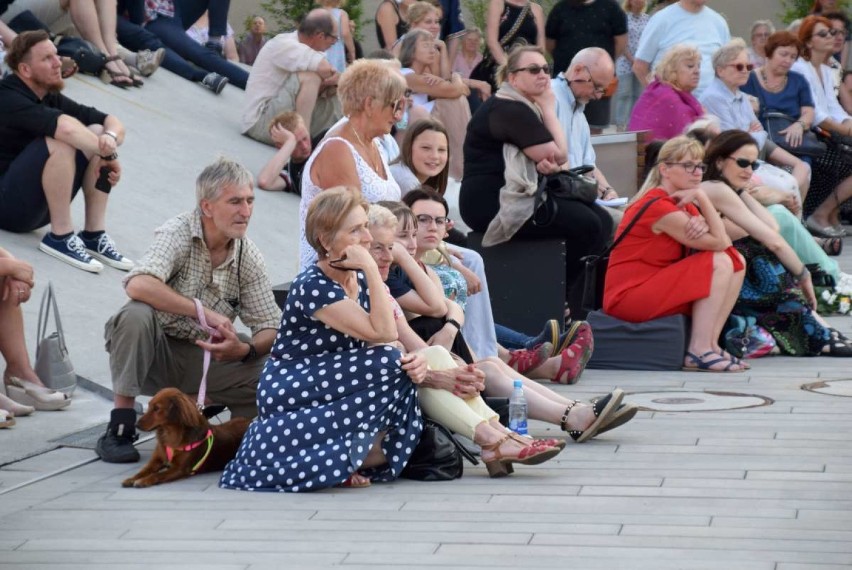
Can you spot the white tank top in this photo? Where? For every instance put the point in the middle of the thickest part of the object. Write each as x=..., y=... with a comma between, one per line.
x=374, y=188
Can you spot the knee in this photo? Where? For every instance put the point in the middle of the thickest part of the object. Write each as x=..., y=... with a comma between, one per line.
x=60, y=150
x=132, y=321
x=722, y=262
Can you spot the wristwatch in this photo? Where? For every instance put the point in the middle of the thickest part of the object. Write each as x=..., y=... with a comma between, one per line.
x=252, y=353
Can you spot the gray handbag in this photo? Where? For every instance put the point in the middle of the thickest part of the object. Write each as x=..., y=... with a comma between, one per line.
x=52, y=363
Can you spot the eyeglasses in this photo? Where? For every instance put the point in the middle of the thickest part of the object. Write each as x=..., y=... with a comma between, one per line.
x=760, y=35
x=826, y=33
x=534, y=69
x=425, y=219
x=690, y=167
x=331, y=36
x=598, y=89
x=400, y=104
x=745, y=163
x=741, y=66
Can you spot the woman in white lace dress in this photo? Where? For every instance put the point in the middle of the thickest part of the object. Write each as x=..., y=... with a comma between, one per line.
x=373, y=97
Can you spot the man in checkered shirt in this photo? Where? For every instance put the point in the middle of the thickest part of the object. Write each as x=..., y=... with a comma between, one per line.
x=154, y=341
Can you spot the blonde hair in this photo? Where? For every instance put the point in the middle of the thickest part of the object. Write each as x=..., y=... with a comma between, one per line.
x=290, y=120
x=419, y=10
x=626, y=7
x=327, y=212
x=512, y=60
x=368, y=78
x=728, y=53
x=380, y=217
x=404, y=215
x=674, y=150
x=666, y=68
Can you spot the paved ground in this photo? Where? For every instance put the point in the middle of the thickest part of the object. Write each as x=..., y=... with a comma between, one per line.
x=763, y=488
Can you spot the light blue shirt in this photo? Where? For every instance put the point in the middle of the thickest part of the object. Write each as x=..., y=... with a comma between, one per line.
x=705, y=30
x=733, y=110
x=574, y=123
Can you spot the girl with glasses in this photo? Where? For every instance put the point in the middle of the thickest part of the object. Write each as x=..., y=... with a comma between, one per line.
x=652, y=273
x=778, y=290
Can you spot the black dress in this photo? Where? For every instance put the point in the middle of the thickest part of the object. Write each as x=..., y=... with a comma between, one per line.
x=401, y=25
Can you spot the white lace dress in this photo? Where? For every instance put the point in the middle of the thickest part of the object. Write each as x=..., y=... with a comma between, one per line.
x=374, y=188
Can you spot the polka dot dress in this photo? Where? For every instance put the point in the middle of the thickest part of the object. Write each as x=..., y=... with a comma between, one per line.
x=322, y=398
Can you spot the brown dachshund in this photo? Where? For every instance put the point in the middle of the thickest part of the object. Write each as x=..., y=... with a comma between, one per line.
x=186, y=442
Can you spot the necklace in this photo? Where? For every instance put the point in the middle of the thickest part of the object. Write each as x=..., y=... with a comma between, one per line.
x=776, y=88
x=371, y=151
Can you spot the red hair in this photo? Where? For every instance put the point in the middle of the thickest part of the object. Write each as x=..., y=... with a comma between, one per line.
x=806, y=32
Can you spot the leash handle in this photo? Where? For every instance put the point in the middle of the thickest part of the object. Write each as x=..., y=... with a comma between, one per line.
x=202, y=320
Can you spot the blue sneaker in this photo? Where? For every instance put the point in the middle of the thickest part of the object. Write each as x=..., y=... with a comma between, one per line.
x=71, y=251
x=103, y=248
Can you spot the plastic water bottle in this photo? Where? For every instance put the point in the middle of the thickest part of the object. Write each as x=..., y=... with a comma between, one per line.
x=518, y=410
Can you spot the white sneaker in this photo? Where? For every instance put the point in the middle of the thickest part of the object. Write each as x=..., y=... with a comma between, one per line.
x=71, y=251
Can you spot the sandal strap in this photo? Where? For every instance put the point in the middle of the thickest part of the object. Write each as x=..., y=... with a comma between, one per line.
x=564, y=423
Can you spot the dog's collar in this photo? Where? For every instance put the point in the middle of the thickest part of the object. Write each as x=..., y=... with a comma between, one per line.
x=170, y=452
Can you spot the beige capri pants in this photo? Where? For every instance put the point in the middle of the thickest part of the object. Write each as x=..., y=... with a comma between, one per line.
x=458, y=415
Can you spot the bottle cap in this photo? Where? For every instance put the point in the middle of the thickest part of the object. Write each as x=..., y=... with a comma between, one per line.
x=519, y=384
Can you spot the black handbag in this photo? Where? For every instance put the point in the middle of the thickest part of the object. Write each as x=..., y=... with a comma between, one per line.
x=438, y=456
x=776, y=122
x=595, y=266
x=564, y=185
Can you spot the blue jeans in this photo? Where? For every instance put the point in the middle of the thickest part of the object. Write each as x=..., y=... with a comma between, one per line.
x=137, y=38
x=173, y=35
x=511, y=339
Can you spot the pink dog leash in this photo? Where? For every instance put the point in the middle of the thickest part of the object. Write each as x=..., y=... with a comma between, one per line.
x=214, y=336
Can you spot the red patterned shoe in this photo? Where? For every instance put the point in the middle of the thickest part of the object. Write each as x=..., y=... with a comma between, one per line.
x=574, y=359
x=578, y=332
x=524, y=360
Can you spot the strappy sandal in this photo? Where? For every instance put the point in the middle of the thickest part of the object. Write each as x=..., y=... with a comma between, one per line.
x=838, y=347
x=725, y=354
x=69, y=67
x=501, y=466
x=523, y=360
x=831, y=246
x=602, y=409
x=574, y=360
x=111, y=77
x=538, y=441
x=701, y=365
x=350, y=483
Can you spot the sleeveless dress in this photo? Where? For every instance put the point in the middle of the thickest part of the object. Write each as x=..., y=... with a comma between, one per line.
x=374, y=188
x=649, y=275
x=401, y=25
x=321, y=399
x=336, y=54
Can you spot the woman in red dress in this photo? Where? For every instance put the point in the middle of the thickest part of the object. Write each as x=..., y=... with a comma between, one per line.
x=652, y=273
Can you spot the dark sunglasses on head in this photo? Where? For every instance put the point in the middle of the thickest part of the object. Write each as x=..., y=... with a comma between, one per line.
x=745, y=163
x=741, y=66
x=534, y=69
x=826, y=33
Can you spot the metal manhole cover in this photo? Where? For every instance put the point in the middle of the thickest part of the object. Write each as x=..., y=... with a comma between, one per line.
x=838, y=387
x=673, y=401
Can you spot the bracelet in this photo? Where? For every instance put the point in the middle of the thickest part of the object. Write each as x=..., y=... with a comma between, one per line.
x=802, y=274
x=111, y=134
x=455, y=323
x=113, y=156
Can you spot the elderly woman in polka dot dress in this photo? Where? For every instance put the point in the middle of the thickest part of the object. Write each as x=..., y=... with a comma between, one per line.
x=336, y=404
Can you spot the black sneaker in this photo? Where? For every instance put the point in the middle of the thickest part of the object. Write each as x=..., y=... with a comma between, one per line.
x=216, y=47
x=116, y=445
x=214, y=82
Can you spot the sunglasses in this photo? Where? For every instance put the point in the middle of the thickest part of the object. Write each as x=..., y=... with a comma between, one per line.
x=690, y=167
x=741, y=66
x=400, y=104
x=745, y=163
x=826, y=33
x=534, y=69
x=424, y=219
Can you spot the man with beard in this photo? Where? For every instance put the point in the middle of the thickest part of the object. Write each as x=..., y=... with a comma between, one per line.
x=50, y=147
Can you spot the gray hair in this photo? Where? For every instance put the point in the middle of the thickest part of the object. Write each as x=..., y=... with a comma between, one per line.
x=409, y=45
x=762, y=23
x=219, y=175
x=381, y=217
x=317, y=21
x=728, y=53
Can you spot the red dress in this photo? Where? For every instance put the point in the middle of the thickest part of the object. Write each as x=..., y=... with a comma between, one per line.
x=650, y=275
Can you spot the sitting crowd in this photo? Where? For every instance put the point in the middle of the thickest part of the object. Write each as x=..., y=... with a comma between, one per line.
x=390, y=319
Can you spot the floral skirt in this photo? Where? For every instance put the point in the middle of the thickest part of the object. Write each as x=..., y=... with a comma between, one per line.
x=771, y=295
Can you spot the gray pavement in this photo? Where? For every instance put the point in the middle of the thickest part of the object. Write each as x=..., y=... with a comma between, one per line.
x=765, y=488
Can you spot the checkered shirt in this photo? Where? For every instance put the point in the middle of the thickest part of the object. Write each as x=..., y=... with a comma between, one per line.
x=179, y=257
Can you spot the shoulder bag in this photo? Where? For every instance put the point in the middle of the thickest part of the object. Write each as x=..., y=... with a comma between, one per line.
x=438, y=456
x=52, y=363
x=570, y=184
x=595, y=266
x=485, y=69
